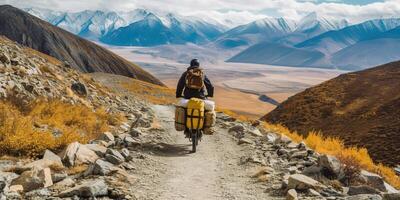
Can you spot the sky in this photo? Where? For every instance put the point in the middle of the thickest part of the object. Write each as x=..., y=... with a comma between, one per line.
x=236, y=11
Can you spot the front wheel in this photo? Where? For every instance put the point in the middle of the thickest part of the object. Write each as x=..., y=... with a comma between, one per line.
x=194, y=142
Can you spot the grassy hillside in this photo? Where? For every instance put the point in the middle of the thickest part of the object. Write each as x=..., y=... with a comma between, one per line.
x=361, y=108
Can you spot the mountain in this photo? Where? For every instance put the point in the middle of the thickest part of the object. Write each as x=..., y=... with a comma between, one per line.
x=361, y=108
x=277, y=54
x=153, y=30
x=312, y=25
x=333, y=41
x=255, y=32
x=81, y=54
x=111, y=27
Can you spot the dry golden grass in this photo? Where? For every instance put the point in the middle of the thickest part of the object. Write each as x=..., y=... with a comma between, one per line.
x=334, y=146
x=76, y=169
x=150, y=92
x=20, y=137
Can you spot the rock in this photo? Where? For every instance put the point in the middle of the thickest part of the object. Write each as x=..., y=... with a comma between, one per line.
x=125, y=153
x=134, y=132
x=4, y=58
x=140, y=122
x=363, y=189
x=255, y=132
x=16, y=188
x=34, y=179
x=49, y=155
x=101, y=167
x=283, y=139
x=92, y=188
x=79, y=89
x=245, y=141
x=98, y=149
x=391, y=196
x=237, y=129
x=76, y=154
x=282, y=152
x=312, y=192
x=374, y=180
x=291, y=195
x=302, y=182
x=38, y=194
x=313, y=171
x=114, y=157
x=364, y=197
x=2, y=186
x=302, y=146
x=330, y=165
x=292, y=145
x=270, y=137
x=57, y=177
x=299, y=154
x=107, y=136
x=64, y=184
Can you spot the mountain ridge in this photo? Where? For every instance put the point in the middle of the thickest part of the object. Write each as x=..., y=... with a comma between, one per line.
x=78, y=52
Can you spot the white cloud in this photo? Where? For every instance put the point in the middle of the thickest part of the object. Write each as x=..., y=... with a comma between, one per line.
x=236, y=11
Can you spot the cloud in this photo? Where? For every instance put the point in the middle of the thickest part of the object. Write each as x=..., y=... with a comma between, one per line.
x=233, y=11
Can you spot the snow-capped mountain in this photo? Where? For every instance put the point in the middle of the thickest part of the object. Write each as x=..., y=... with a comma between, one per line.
x=114, y=28
x=255, y=32
x=333, y=41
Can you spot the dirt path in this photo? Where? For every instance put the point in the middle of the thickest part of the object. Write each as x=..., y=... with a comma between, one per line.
x=213, y=172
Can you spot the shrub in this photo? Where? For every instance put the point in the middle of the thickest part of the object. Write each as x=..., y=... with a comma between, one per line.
x=22, y=134
x=353, y=157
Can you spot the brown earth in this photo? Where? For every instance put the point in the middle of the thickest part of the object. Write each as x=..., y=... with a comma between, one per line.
x=362, y=108
x=81, y=54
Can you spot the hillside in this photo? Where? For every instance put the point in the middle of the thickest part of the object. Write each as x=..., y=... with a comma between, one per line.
x=81, y=54
x=361, y=108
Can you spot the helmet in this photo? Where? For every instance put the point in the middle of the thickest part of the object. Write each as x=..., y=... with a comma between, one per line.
x=194, y=63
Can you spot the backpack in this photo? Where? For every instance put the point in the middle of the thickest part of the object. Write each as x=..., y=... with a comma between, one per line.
x=195, y=79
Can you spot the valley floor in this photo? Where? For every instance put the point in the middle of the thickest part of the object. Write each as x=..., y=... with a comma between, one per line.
x=238, y=85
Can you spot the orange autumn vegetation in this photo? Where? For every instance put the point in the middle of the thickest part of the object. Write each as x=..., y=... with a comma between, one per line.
x=22, y=131
x=336, y=147
x=153, y=93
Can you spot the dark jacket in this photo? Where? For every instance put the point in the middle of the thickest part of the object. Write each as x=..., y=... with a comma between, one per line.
x=190, y=93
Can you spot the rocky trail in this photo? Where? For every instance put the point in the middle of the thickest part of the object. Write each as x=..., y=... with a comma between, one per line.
x=211, y=173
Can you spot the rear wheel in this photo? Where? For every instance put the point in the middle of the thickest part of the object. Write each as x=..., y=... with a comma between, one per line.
x=194, y=142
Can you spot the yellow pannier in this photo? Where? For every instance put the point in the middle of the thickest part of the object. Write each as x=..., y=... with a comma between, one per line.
x=195, y=114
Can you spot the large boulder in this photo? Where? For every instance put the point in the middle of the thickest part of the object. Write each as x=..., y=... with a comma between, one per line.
x=76, y=154
x=302, y=182
x=98, y=149
x=34, y=179
x=92, y=188
x=100, y=167
x=49, y=160
x=375, y=181
x=363, y=189
x=330, y=165
x=114, y=157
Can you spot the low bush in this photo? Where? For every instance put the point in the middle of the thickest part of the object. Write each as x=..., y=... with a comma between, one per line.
x=27, y=129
